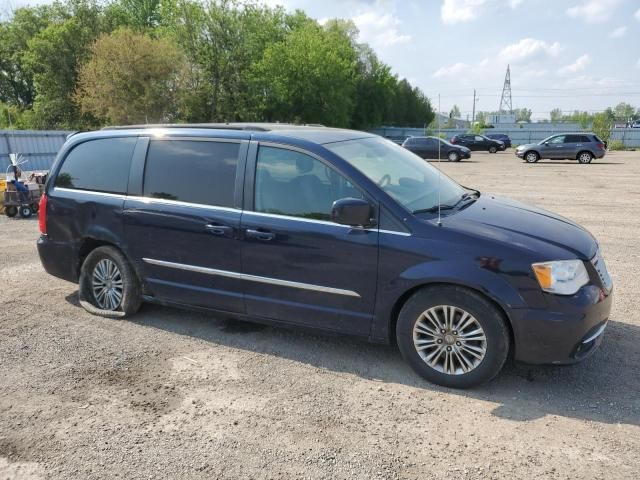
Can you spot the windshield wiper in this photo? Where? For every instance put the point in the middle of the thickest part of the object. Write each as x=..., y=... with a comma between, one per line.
x=434, y=209
x=464, y=197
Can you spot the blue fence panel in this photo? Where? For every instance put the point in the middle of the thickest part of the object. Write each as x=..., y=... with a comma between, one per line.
x=38, y=147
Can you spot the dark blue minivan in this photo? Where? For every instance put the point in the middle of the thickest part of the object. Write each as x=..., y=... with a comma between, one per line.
x=330, y=229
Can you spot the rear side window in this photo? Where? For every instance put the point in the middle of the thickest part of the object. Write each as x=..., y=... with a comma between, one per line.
x=100, y=165
x=585, y=139
x=192, y=171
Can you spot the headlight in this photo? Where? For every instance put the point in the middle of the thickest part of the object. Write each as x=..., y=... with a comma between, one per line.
x=564, y=277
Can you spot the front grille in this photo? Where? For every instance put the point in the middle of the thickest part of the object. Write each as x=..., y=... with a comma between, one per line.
x=601, y=268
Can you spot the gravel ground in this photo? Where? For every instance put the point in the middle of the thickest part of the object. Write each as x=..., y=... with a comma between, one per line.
x=174, y=394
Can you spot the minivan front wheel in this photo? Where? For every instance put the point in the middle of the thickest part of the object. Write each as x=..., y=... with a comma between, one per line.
x=452, y=336
x=108, y=285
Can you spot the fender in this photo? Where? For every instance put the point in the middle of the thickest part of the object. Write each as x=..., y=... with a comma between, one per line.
x=493, y=284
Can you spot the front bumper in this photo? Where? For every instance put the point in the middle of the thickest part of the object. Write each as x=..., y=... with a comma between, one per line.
x=568, y=332
x=519, y=153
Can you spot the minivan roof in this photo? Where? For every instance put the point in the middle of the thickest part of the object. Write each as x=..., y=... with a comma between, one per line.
x=310, y=132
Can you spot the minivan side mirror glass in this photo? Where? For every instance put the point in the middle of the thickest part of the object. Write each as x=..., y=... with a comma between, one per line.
x=354, y=212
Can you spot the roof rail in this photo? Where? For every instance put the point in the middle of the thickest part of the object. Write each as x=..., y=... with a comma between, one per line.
x=216, y=126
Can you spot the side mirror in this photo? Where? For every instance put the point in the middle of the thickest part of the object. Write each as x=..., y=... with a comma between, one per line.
x=354, y=212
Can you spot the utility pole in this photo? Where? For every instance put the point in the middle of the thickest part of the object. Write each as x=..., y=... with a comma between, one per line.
x=473, y=115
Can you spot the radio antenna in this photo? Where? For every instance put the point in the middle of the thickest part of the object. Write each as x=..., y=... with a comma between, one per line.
x=439, y=171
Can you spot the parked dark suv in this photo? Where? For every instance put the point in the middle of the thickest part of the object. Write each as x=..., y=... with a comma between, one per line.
x=478, y=143
x=434, y=148
x=330, y=229
x=583, y=147
x=501, y=137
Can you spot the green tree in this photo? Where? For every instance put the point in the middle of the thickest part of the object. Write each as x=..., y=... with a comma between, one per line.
x=16, y=80
x=310, y=77
x=556, y=115
x=623, y=111
x=523, y=114
x=602, y=126
x=130, y=78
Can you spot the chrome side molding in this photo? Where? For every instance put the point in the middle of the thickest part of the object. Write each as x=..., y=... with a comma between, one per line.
x=251, y=278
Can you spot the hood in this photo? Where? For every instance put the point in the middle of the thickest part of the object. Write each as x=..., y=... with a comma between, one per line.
x=544, y=234
x=527, y=146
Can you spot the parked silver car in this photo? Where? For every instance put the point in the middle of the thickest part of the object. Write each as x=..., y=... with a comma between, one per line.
x=583, y=147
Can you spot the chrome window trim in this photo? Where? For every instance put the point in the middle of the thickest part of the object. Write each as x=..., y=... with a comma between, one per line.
x=163, y=201
x=290, y=217
x=166, y=201
x=89, y=192
x=251, y=278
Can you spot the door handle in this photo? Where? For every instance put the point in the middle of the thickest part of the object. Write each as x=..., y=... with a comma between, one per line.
x=260, y=235
x=217, y=229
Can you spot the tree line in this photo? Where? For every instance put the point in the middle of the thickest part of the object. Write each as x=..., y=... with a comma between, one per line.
x=80, y=64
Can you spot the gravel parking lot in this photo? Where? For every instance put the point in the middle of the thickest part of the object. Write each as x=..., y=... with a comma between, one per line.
x=174, y=394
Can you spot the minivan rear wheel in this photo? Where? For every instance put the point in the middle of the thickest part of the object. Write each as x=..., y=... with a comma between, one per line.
x=108, y=285
x=452, y=336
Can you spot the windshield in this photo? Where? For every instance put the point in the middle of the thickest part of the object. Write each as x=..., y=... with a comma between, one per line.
x=407, y=178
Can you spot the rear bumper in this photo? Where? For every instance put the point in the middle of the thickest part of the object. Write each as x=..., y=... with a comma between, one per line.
x=567, y=333
x=58, y=259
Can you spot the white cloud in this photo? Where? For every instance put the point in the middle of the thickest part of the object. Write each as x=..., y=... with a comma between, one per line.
x=618, y=32
x=451, y=70
x=380, y=30
x=457, y=11
x=637, y=15
x=528, y=48
x=594, y=11
x=580, y=64
x=514, y=3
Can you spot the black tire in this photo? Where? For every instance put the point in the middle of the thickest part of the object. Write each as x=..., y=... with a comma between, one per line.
x=493, y=149
x=10, y=211
x=131, y=294
x=585, y=157
x=486, y=315
x=453, y=156
x=531, y=157
x=25, y=211
x=35, y=207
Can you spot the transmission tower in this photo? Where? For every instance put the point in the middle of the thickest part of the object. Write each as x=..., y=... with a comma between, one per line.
x=506, y=105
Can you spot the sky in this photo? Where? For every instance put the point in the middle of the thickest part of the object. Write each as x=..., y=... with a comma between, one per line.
x=569, y=54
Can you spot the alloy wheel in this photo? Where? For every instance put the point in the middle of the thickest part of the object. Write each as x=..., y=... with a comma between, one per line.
x=449, y=339
x=585, y=157
x=107, y=284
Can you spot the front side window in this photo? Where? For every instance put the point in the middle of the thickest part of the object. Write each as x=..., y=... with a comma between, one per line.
x=100, y=165
x=192, y=171
x=478, y=138
x=298, y=185
x=407, y=178
x=555, y=140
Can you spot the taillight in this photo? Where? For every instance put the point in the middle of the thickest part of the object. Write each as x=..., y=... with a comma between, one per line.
x=600, y=146
x=42, y=214
x=453, y=140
